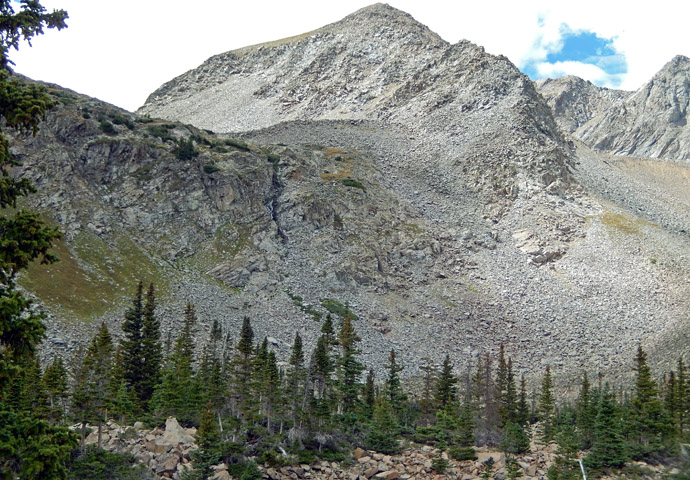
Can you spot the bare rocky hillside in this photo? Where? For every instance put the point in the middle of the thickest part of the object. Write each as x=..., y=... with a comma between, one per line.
x=426, y=186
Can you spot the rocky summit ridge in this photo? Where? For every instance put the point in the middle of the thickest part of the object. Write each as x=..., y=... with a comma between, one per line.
x=429, y=187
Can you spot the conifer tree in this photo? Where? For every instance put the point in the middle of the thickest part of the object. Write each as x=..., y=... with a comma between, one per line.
x=152, y=356
x=465, y=439
x=681, y=396
x=427, y=402
x=369, y=392
x=446, y=385
x=488, y=409
x=56, y=388
x=29, y=446
x=92, y=381
x=509, y=398
x=648, y=425
x=523, y=406
x=242, y=370
x=585, y=414
x=296, y=388
x=608, y=447
x=132, y=345
x=383, y=436
x=546, y=407
x=178, y=394
x=349, y=368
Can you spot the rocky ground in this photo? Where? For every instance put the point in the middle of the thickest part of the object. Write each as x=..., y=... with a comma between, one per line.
x=166, y=452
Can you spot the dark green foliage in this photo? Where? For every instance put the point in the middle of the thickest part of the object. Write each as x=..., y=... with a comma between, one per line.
x=208, y=454
x=586, y=413
x=178, y=393
x=513, y=469
x=349, y=369
x=515, y=440
x=119, y=119
x=351, y=182
x=439, y=465
x=185, y=149
x=546, y=407
x=55, y=387
x=152, y=356
x=160, y=131
x=608, y=448
x=337, y=308
x=106, y=127
x=488, y=468
x=238, y=144
x=29, y=447
x=383, y=436
x=98, y=464
x=446, y=385
x=648, y=425
x=210, y=168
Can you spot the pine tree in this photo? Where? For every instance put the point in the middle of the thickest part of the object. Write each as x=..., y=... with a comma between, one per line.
x=349, y=368
x=369, y=392
x=243, y=405
x=207, y=455
x=488, y=409
x=585, y=414
x=55, y=386
x=296, y=388
x=384, y=432
x=29, y=446
x=565, y=466
x=92, y=381
x=546, y=407
x=446, y=385
x=681, y=396
x=608, y=448
x=465, y=439
x=178, y=393
x=152, y=356
x=522, y=406
x=649, y=426
x=132, y=345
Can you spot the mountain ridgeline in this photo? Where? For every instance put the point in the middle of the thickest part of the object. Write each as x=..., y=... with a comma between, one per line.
x=434, y=190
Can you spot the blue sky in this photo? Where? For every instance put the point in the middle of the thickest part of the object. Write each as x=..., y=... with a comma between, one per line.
x=578, y=50
x=122, y=51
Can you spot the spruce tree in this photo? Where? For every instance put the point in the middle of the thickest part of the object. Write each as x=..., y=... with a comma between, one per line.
x=349, y=368
x=546, y=407
x=29, y=446
x=369, y=392
x=242, y=401
x=92, y=381
x=132, y=346
x=384, y=432
x=681, y=396
x=522, y=406
x=446, y=385
x=585, y=413
x=152, y=356
x=608, y=447
x=296, y=379
x=178, y=393
x=649, y=427
x=56, y=388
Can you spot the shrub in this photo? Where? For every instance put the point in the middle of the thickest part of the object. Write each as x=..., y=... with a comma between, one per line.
x=351, y=182
x=238, y=144
x=98, y=464
x=106, y=126
x=210, y=168
x=159, y=131
x=185, y=149
x=118, y=119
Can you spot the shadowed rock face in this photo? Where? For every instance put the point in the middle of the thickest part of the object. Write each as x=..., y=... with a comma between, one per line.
x=425, y=185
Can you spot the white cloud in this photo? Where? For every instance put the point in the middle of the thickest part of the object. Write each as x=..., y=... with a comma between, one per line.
x=586, y=71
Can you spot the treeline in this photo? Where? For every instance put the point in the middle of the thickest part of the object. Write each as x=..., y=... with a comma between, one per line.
x=326, y=402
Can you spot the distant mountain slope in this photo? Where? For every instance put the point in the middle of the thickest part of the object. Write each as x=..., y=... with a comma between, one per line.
x=651, y=122
x=574, y=101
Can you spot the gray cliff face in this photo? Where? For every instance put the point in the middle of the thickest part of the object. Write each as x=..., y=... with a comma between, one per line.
x=428, y=186
x=575, y=102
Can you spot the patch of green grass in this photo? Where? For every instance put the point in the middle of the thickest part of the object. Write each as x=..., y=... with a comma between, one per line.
x=238, y=144
x=298, y=301
x=351, y=182
x=337, y=308
x=91, y=276
x=210, y=168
